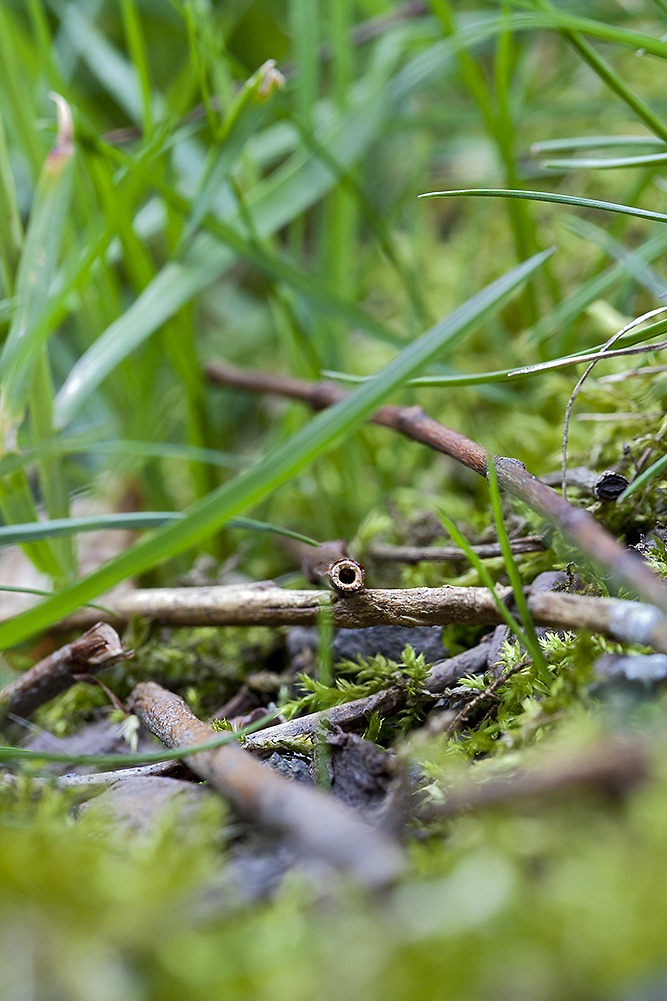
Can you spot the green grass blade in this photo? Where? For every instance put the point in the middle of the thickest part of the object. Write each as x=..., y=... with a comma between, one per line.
x=459, y=538
x=64, y=527
x=533, y=644
x=605, y=163
x=137, y=48
x=550, y=196
x=8, y=753
x=24, y=367
x=594, y=142
x=644, y=478
x=314, y=439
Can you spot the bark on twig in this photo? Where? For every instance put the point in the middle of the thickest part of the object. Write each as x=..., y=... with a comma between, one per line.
x=353, y=715
x=384, y=553
x=575, y=523
x=269, y=605
x=321, y=826
x=612, y=766
x=55, y=674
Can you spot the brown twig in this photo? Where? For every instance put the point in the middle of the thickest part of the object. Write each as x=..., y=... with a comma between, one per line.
x=612, y=766
x=383, y=553
x=576, y=524
x=269, y=605
x=321, y=826
x=55, y=674
x=481, y=697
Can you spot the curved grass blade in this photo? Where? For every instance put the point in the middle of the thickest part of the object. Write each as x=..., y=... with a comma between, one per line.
x=527, y=371
x=8, y=753
x=549, y=196
x=605, y=163
x=595, y=142
x=314, y=439
x=59, y=527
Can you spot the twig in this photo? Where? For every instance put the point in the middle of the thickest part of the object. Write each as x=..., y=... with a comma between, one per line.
x=383, y=553
x=576, y=524
x=55, y=674
x=612, y=766
x=353, y=715
x=269, y=605
x=470, y=707
x=321, y=826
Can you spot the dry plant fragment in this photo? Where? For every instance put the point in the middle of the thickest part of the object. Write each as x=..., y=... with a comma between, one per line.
x=323, y=828
x=56, y=673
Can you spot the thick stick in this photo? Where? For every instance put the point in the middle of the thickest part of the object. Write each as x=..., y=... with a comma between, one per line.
x=321, y=826
x=576, y=524
x=53, y=675
x=268, y=605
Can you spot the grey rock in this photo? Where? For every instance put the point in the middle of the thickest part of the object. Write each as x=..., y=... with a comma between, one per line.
x=390, y=641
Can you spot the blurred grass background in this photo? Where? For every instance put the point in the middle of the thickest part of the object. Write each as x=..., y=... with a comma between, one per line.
x=198, y=217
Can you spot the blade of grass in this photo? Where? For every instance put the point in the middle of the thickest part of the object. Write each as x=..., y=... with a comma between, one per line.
x=593, y=142
x=526, y=371
x=550, y=196
x=24, y=366
x=137, y=48
x=533, y=644
x=644, y=478
x=8, y=753
x=605, y=163
x=459, y=538
x=314, y=439
x=61, y=527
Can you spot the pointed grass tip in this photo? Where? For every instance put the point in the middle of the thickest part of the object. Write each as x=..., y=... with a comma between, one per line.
x=64, y=146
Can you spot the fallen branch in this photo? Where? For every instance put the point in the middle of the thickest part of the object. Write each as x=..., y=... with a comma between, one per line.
x=55, y=674
x=575, y=523
x=266, y=604
x=612, y=766
x=320, y=825
x=383, y=553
